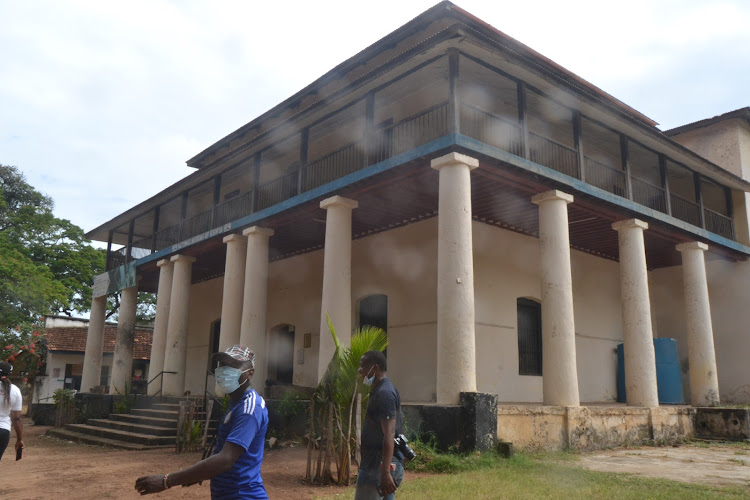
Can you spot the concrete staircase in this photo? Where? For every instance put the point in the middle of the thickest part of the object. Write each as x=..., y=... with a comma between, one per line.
x=141, y=429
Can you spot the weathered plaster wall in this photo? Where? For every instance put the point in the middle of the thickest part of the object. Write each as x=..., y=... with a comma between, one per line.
x=593, y=427
x=402, y=264
x=719, y=143
x=205, y=308
x=727, y=289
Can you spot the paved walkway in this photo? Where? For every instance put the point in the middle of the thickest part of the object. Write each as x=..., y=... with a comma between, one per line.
x=718, y=465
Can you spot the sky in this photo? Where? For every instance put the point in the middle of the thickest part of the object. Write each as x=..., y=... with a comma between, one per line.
x=102, y=102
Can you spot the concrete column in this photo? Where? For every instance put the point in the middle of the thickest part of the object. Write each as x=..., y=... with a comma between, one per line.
x=159, y=342
x=560, y=374
x=175, y=353
x=234, y=283
x=255, y=298
x=704, y=381
x=337, y=278
x=92, y=359
x=640, y=363
x=456, y=351
x=122, y=365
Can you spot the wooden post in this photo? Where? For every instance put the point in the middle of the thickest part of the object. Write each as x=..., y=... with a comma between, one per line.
x=310, y=438
x=181, y=413
x=209, y=410
x=358, y=428
x=329, y=446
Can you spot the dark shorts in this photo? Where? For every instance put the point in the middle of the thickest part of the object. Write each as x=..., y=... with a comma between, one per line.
x=4, y=439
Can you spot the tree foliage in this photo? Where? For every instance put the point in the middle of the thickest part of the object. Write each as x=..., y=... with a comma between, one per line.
x=46, y=263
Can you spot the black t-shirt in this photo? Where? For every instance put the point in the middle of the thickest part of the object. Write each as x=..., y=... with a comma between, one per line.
x=385, y=403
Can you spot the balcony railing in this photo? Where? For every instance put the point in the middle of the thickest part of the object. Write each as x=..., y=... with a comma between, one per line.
x=491, y=129
x=685, y=210
x=648, y=194
x=605, y=177
x=233, y=209
x=416, y=130
x=719, y=223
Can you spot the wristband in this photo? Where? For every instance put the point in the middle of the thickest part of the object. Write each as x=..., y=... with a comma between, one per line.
x=166, y=478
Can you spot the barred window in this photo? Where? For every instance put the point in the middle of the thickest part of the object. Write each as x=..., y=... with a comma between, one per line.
x=529, y=337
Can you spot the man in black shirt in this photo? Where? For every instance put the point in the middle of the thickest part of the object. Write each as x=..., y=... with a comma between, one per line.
x=381, y=468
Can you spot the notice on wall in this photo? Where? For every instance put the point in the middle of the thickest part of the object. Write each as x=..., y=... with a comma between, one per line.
x=300, y=356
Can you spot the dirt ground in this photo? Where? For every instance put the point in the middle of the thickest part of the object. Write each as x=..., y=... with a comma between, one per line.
x=52, y=468
x=57, y=469
x=717, y=465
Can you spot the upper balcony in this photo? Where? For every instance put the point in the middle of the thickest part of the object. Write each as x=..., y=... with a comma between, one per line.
x=453, y=93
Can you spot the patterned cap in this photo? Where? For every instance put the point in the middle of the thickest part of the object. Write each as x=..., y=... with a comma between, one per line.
x=238, y=352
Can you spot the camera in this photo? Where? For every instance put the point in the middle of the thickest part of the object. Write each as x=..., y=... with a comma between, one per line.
x=402, y=445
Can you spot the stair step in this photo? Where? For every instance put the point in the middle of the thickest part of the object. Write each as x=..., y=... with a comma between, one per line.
x=154, y=430
x=155, y=413
x=80, y=437
x=130, y=437
x=170, y=423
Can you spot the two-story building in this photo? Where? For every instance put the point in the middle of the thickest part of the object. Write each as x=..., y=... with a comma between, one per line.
x=507, y=222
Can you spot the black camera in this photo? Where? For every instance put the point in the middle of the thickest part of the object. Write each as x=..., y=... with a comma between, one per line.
x=402, y=445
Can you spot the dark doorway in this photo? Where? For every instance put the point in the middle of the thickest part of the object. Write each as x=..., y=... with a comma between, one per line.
x=373, y=311
x=281, y=359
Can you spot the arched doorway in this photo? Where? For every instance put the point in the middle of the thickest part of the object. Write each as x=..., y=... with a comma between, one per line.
x=281, y=355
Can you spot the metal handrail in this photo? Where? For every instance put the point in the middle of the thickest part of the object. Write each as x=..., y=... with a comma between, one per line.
x=161, y=387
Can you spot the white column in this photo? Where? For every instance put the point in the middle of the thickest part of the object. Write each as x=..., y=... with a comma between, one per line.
x=456, y=351
x=336, y=300
x=92, y=359
x=253, y=323
x=704, y=381
x=159, y=342
x=560, y=374
x=640, y=363
x=122, y=365
x=234, y=284
x=175, y=354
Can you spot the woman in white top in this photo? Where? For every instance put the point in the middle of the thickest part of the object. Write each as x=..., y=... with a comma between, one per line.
x=10, y=410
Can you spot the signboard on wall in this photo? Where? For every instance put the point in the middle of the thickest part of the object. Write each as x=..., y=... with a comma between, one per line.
x=115, y=280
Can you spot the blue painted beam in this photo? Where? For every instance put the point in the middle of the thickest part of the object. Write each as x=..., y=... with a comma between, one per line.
x=443, y=143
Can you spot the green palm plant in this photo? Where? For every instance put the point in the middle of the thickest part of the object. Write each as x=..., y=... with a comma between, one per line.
x=337, y=392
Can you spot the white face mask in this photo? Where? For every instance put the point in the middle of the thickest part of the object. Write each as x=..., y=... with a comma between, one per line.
x=228, y=378
x=369, y=380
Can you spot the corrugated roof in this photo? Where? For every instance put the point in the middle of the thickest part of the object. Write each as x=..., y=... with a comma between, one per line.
x=73, y=339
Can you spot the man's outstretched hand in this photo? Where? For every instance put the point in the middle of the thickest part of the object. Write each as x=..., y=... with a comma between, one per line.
x=149, y=484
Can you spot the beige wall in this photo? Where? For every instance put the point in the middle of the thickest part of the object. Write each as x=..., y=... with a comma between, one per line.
x=205, y=308
x=728, y=292
x=402, y=264
x=719, y=143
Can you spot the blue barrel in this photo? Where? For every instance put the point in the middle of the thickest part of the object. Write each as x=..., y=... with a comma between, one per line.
x=668, y=372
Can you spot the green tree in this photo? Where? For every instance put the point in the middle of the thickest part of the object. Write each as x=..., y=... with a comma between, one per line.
x=46, y=263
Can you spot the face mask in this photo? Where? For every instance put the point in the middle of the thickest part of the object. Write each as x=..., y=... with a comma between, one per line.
x=228, y=378
x=369, y=380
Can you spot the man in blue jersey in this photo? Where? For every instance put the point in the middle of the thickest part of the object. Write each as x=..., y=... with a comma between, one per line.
x=234, y=469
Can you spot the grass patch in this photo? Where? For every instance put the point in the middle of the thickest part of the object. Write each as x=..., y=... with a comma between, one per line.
x=541, y=476
x=742, y=445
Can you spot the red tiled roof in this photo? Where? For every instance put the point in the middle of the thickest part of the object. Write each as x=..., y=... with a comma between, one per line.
x=73, y=339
